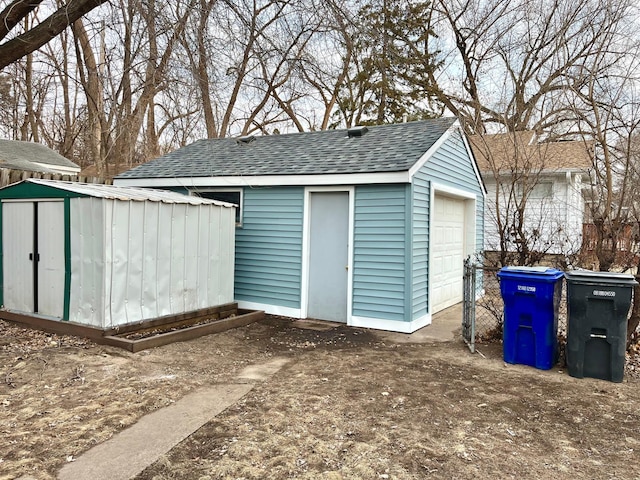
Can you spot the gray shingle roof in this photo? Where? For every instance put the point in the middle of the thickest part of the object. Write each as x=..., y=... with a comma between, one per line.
x=22, y=155
x=384, y=148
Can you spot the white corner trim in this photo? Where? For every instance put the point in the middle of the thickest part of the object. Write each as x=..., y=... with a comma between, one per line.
x=271, y=309
x=434, y=148
x=390, y=325
x=474, y=163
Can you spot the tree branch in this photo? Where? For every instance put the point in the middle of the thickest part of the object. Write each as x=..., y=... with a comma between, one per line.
x=46, y=30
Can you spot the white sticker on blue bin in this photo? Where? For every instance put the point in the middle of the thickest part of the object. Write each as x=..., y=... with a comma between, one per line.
x=526, y=288
x=604, y=293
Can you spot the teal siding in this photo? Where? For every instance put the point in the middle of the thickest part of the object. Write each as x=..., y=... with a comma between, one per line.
x=451, y=166
x=420, y=245
x=380, y=254
x=269, y=246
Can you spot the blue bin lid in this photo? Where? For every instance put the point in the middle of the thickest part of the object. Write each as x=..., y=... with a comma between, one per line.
x=542, y=273
x=609, y=278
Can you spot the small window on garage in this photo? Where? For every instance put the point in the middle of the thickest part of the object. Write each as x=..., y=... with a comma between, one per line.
x=229, y=196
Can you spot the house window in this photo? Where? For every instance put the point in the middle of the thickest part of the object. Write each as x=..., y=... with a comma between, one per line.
x=229, y=196
x=539, y=191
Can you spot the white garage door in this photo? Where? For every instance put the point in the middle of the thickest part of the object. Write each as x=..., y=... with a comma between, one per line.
x=447, y=254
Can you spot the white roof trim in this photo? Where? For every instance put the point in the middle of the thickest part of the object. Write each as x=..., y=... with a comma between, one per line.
x=269, y=180
x=455, y=127
x=474, y=163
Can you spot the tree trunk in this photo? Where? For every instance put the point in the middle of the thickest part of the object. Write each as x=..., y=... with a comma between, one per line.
x=93, y=88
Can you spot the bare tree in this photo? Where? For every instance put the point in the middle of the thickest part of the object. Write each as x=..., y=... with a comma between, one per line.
x=518, y=58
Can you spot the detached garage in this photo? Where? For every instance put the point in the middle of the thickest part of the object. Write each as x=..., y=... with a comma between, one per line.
x=367, y=226
x=106, y=256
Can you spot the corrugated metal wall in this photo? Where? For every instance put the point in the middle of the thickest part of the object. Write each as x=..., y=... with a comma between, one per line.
x=51, y=264
x=150, y=259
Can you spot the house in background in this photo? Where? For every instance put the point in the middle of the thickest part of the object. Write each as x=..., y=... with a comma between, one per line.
x=549, y=174
x=367, y=226
x=34, y=157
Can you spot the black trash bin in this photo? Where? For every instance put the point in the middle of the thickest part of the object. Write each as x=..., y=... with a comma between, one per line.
x=597, y=308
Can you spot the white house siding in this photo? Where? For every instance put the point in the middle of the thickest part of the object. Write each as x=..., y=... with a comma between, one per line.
x=558, y=218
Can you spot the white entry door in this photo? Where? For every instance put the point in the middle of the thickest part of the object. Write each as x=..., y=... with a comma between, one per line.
x=328, y=256
x=34, y=257
x=447, y=252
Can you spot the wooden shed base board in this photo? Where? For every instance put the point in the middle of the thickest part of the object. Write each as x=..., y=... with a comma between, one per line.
x=157, y=332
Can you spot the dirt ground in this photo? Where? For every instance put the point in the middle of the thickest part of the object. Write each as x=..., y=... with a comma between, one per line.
x=346, y=406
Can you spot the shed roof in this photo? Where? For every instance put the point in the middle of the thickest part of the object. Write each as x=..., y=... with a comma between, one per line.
x=521, y=150
x=39, y=188
x=377, y=149
x=27, y=155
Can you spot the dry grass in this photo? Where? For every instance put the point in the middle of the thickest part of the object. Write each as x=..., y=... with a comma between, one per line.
x=348, y=406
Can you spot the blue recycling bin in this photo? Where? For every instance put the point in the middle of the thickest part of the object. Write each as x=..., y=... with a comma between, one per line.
x=531, y=298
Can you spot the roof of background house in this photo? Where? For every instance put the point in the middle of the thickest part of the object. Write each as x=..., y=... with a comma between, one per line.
x=379, y=149
x=521, y=151
x=26, y=155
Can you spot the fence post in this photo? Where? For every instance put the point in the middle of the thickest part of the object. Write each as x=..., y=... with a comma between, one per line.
x=469, y=305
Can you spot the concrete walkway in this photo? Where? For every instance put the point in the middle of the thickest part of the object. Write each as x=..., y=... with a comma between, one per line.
x=129, y=452
x=446, y=325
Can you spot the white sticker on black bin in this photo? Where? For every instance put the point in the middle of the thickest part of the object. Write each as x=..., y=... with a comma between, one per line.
x=604, y=293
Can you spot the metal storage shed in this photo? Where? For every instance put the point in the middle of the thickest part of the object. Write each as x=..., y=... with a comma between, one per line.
x=106, y=256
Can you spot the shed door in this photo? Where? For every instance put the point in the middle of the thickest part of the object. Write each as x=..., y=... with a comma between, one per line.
x=52, y=261
x=447, y=252
x=33, y=253
x=328, y=256
x=17, y=239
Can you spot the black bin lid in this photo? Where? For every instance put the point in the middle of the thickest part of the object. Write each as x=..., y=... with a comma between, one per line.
x=589, y=277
